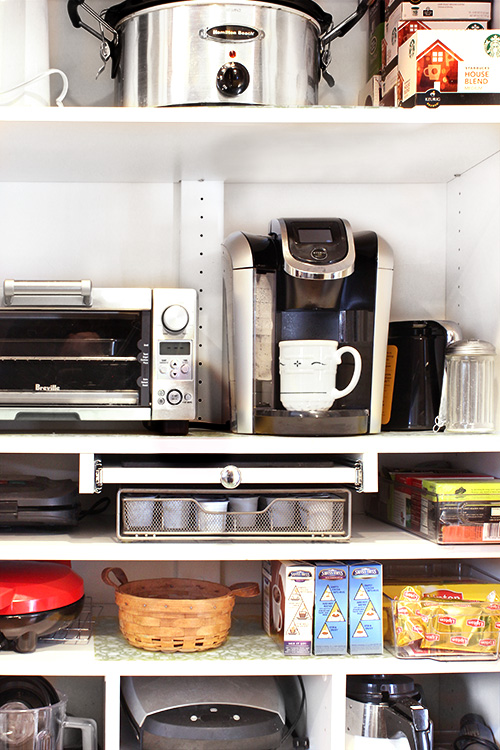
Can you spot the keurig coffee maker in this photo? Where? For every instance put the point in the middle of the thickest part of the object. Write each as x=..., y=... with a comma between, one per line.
x=307, y=314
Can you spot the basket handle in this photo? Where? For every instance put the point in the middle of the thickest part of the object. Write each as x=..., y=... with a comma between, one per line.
x=245, y=589
x=117, y=572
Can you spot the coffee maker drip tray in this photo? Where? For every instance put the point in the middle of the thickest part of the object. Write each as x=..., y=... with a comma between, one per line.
x=335, y=422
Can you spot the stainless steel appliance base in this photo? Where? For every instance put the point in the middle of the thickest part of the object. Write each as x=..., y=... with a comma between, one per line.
x=320, y=423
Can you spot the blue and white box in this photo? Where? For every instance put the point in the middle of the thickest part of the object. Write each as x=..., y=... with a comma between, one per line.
x=330, y=608
x=365, y=608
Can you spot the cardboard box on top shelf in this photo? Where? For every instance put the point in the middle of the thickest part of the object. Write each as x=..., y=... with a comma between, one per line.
x=449, y=67
x=388, y=85
x=397, y=32
x=439, y=9
x=376, y=28
x=369, y=96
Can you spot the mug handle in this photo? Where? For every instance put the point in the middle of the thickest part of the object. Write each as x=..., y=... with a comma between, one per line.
x=357, y=370
x=88, y=728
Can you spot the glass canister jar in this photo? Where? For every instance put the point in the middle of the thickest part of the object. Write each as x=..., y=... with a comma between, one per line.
x=469, y=386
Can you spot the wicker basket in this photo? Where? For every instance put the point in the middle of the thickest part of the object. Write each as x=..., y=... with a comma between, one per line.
x=175, y=614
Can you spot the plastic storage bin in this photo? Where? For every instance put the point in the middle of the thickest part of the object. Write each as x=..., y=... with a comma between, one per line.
x=446, y=510
x=445, y=611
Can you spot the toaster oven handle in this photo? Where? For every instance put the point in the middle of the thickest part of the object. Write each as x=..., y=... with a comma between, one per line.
x=47, y=293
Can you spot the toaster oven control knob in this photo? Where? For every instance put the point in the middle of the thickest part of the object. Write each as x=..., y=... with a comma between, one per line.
x=175, y=318
x=232, y=79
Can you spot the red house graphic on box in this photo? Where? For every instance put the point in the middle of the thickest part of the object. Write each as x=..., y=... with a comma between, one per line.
x=437, y=68
x=407, y=28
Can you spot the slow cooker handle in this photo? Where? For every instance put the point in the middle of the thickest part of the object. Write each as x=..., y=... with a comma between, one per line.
x=77, y=22
x=118, y=573
x=338, y=31
x=245, y=589
x=347, y=24
x=109, y=47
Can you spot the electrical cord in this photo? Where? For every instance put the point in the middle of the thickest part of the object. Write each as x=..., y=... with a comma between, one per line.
x=51, y=71
x=96, y=508
x=293, y=725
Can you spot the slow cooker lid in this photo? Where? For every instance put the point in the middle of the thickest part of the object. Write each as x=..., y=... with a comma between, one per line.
x=117, y=12
x=31, y=587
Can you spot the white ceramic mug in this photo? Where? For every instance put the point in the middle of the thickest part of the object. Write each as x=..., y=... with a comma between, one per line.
x=308, y=373
x=277, y=614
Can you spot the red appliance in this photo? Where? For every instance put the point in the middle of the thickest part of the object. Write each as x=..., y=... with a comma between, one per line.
x=36, y=598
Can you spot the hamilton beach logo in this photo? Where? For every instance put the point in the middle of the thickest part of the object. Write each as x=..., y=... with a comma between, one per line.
x=231, y=33
x=492, y=45
x=52, y=387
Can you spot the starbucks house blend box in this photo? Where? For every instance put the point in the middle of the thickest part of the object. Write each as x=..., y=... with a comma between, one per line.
x=449, y=66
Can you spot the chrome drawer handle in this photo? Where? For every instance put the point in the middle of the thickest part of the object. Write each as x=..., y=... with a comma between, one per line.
x=230, y=477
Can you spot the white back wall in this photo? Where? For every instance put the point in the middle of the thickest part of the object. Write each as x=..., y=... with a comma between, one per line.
x=411, y=218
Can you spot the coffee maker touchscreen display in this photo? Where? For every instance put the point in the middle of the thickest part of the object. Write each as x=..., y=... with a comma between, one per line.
x=314, y=235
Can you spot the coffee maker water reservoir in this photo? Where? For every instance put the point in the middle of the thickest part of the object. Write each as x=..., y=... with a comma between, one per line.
x=312, y=282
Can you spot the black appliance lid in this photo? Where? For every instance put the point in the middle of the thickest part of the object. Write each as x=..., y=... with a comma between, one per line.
x=380, y=688
x=416, y=328
x=117, y=13
x=28, y=692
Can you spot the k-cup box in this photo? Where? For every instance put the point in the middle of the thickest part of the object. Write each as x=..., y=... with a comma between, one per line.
x=471, y=10
x=365, y=608
x=397, y=32
x=288, y=604
x=450, y=67
x=388, y=85
x=331, y=607
x=369, y=96
x=376, y=24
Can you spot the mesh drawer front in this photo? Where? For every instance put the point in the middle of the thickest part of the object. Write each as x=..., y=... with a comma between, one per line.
x=161, y=513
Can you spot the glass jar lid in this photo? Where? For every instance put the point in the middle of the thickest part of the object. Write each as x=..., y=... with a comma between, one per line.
x=471, y=348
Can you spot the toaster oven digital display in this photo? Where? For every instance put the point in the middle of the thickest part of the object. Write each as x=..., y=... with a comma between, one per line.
x=167, y=348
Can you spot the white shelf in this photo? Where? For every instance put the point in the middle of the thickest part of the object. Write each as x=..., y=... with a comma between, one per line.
x=371, y=539
x=252, y=145
x=267, y=660
x=222, y=443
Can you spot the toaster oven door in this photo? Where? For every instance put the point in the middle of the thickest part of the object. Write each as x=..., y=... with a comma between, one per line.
x=76, y=360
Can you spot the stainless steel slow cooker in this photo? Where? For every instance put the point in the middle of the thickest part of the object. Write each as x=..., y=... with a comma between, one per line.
x=198, y=52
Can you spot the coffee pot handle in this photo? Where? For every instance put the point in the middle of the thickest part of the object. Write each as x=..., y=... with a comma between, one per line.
x=88, y=728
x=411, y=719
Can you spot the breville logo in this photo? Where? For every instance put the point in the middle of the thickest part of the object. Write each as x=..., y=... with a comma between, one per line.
x=52, y=387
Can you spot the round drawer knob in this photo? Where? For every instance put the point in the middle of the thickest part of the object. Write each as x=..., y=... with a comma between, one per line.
x=230, y=477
